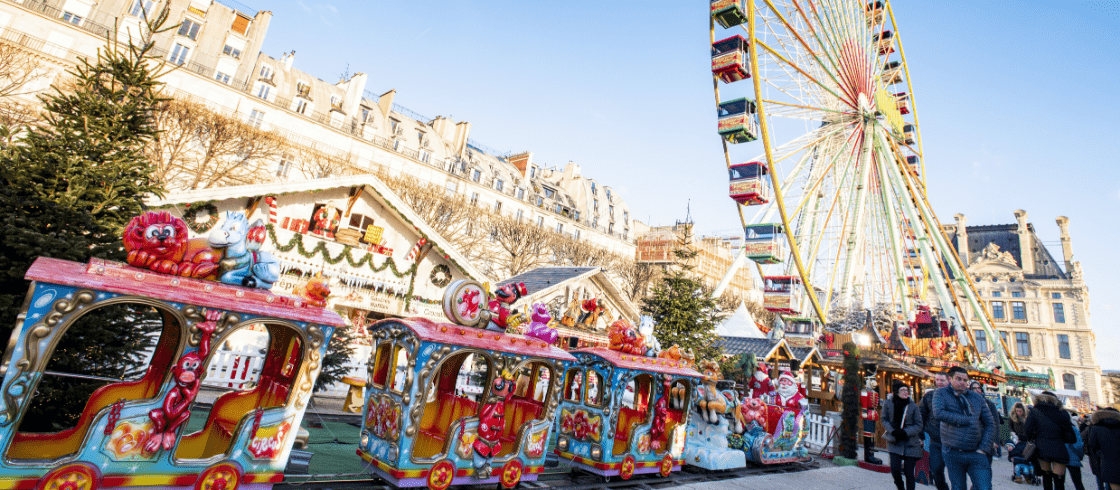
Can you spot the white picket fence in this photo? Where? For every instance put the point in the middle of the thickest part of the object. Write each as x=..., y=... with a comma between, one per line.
x=819, y=429
x=239, y=367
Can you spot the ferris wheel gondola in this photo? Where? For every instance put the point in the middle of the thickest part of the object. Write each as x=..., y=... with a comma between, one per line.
x=846, y=190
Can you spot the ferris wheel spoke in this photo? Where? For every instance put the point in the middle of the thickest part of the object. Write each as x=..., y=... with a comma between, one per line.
x=804, y=73
x=805, y=45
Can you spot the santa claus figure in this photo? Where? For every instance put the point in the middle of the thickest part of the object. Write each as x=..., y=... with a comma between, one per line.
x=760, y=385
x=789, y=394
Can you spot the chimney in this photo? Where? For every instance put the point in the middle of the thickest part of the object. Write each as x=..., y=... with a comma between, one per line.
x=962, y=239
x=1026, y=244
x=1067, y=246
x=289, y=58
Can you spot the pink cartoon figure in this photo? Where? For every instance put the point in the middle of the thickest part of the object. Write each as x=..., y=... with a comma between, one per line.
x=539, y=328
x=187, y=379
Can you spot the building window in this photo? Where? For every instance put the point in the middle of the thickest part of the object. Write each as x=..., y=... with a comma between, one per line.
x=240, y=24
x=521, y=193
x=336, y=102
x=141, y=8
x=266, y=71
x=996, y=294
x=593, y=188
x=1059, y=313
x=301, y=106
x=1016, y=294
x=1023, y=344
x=264, y=90
x=520, y=213
x=231, y=51
x=981, y=342
x=559, y=209
x=474, y=198
x=1003, y=336
x=609, y=197
x=499, y=185
x=497, y=206
x=559, y=227
x=626, y=216
x=576, y=235
x=549, y=192
x=1055, y=295
x=610, y=227
x=532, y=172
x=540, y=221
x=997, y=310
x=625, y=233
x=1063, y=346
x=1018, y=311
x=72, y=18
x=1069, y=382
x=179, y=54
x=393, y=123
x=285, y=166
x=256, y=118
x=451, y=187
x=425, y=156
x=595, y=204
x=476, y=175
x=595, y=222
x=610, y=209
x=222, y=77
x=189, y=28
x=575, y=215
x=540, y=201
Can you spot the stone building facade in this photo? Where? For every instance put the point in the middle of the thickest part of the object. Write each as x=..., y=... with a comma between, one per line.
x=1040, y=305
x=714, y=258
x=217, y=48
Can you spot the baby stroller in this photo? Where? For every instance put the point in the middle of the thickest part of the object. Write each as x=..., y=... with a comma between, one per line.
x=1023, y=468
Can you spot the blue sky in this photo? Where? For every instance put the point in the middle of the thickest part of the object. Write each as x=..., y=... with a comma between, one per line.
x=1016, y=100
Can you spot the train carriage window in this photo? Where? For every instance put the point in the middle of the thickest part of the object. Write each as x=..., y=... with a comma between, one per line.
x=82, y=379
x=281, y=355
x=451, y=394
x=634, y=411
x=400, y=372
x=526, y=406
x=678, y=399
x=543, y=384
x=381, y=365
x=594, y=389
x=573, y=385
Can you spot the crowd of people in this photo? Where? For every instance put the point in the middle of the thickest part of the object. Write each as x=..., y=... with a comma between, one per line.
x=959, y=427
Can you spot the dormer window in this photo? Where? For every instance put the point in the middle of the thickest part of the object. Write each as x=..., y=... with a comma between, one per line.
x=594, y=188
x=266, y=72
x=609, y=197
x=549, y=192
x=336, y=102
x=303, y=89
x=231, y=51
x=189, y=29
x=142, y=8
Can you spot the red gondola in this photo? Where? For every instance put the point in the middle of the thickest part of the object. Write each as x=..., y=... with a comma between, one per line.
x=749, y=183
x=729, y=59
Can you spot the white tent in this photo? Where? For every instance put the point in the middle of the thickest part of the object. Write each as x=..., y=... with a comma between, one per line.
x=740, y=324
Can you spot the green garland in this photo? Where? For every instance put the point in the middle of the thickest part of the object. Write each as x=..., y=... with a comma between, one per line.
x=192, y=212
x=321, y=249
x=441, y=275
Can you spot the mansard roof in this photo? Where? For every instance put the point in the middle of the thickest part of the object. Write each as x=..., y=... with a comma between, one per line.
x=1006, y=237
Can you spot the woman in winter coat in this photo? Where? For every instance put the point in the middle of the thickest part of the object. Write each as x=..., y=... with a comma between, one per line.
x=1104, y=443
x=1076, y=454
x=902, y=426
x=1018, y=422
x=1048, y=427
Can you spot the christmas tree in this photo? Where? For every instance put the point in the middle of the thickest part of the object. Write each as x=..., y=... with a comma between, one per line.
x=68, y=189
x=683, y=308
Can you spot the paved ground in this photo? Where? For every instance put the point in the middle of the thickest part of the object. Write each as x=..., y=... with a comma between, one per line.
x=832, y=477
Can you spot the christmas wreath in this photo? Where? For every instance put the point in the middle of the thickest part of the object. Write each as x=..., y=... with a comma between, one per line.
x=441, y=275
x=192, y=212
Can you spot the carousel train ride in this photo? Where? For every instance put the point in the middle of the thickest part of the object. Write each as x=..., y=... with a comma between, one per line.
x=465, y=402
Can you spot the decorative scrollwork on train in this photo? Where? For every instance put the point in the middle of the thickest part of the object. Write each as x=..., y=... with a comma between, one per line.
x=425, y=373
x=194, y=314
x=21, y=387
x=315, y=338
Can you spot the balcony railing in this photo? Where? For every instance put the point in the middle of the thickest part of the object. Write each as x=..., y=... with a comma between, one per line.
x=86, y=24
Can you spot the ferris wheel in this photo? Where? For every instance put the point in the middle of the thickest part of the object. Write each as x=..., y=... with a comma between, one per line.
x=817, y=94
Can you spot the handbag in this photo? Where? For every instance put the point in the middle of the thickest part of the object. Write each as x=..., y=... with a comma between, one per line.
x=1029, y=451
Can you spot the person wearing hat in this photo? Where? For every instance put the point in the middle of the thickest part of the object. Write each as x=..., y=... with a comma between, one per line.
x=1049, y=428
x=902, y=426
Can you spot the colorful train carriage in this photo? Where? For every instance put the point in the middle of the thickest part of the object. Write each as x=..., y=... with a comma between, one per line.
x=451, y=404
x=138, y=432
x=624, y=414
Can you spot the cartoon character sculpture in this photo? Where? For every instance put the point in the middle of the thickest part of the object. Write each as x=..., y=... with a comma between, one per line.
x=538, y=328
x=187, y=378
x=315, y=291
x=645, y=327
x=869, y=412
x=710, y=403
x=752, y=410
x=660, y=413
x=501, y=315
x=158, y=241
x=491, y=420
x=623, y=337
x=243, y=263
x=760, y=386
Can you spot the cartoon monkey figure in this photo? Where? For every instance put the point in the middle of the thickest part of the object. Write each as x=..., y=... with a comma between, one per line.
x=491, y=421
x=187, y=376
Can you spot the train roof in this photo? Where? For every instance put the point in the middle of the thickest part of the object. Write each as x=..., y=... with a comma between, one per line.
x=643, y=363
x=449, y=333
x=104, y=275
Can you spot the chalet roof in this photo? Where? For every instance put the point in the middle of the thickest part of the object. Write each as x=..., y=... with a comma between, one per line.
x=1006, y=237
x=762, y=348
x=543, y=278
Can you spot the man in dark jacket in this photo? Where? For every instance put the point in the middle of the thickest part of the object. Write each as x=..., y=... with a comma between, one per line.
x=1104, y=444
x=968, y=432
x=933, y=428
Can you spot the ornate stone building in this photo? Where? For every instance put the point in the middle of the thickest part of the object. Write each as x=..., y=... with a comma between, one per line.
x=713, y=259
x=1040, y=306
x=1111, y=387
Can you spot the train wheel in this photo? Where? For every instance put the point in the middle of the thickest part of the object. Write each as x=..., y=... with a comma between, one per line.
x=666, y=465
x=627, y=469
x=441, y=474
x=79, y=476
x=511, y=473
x=222, y=476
